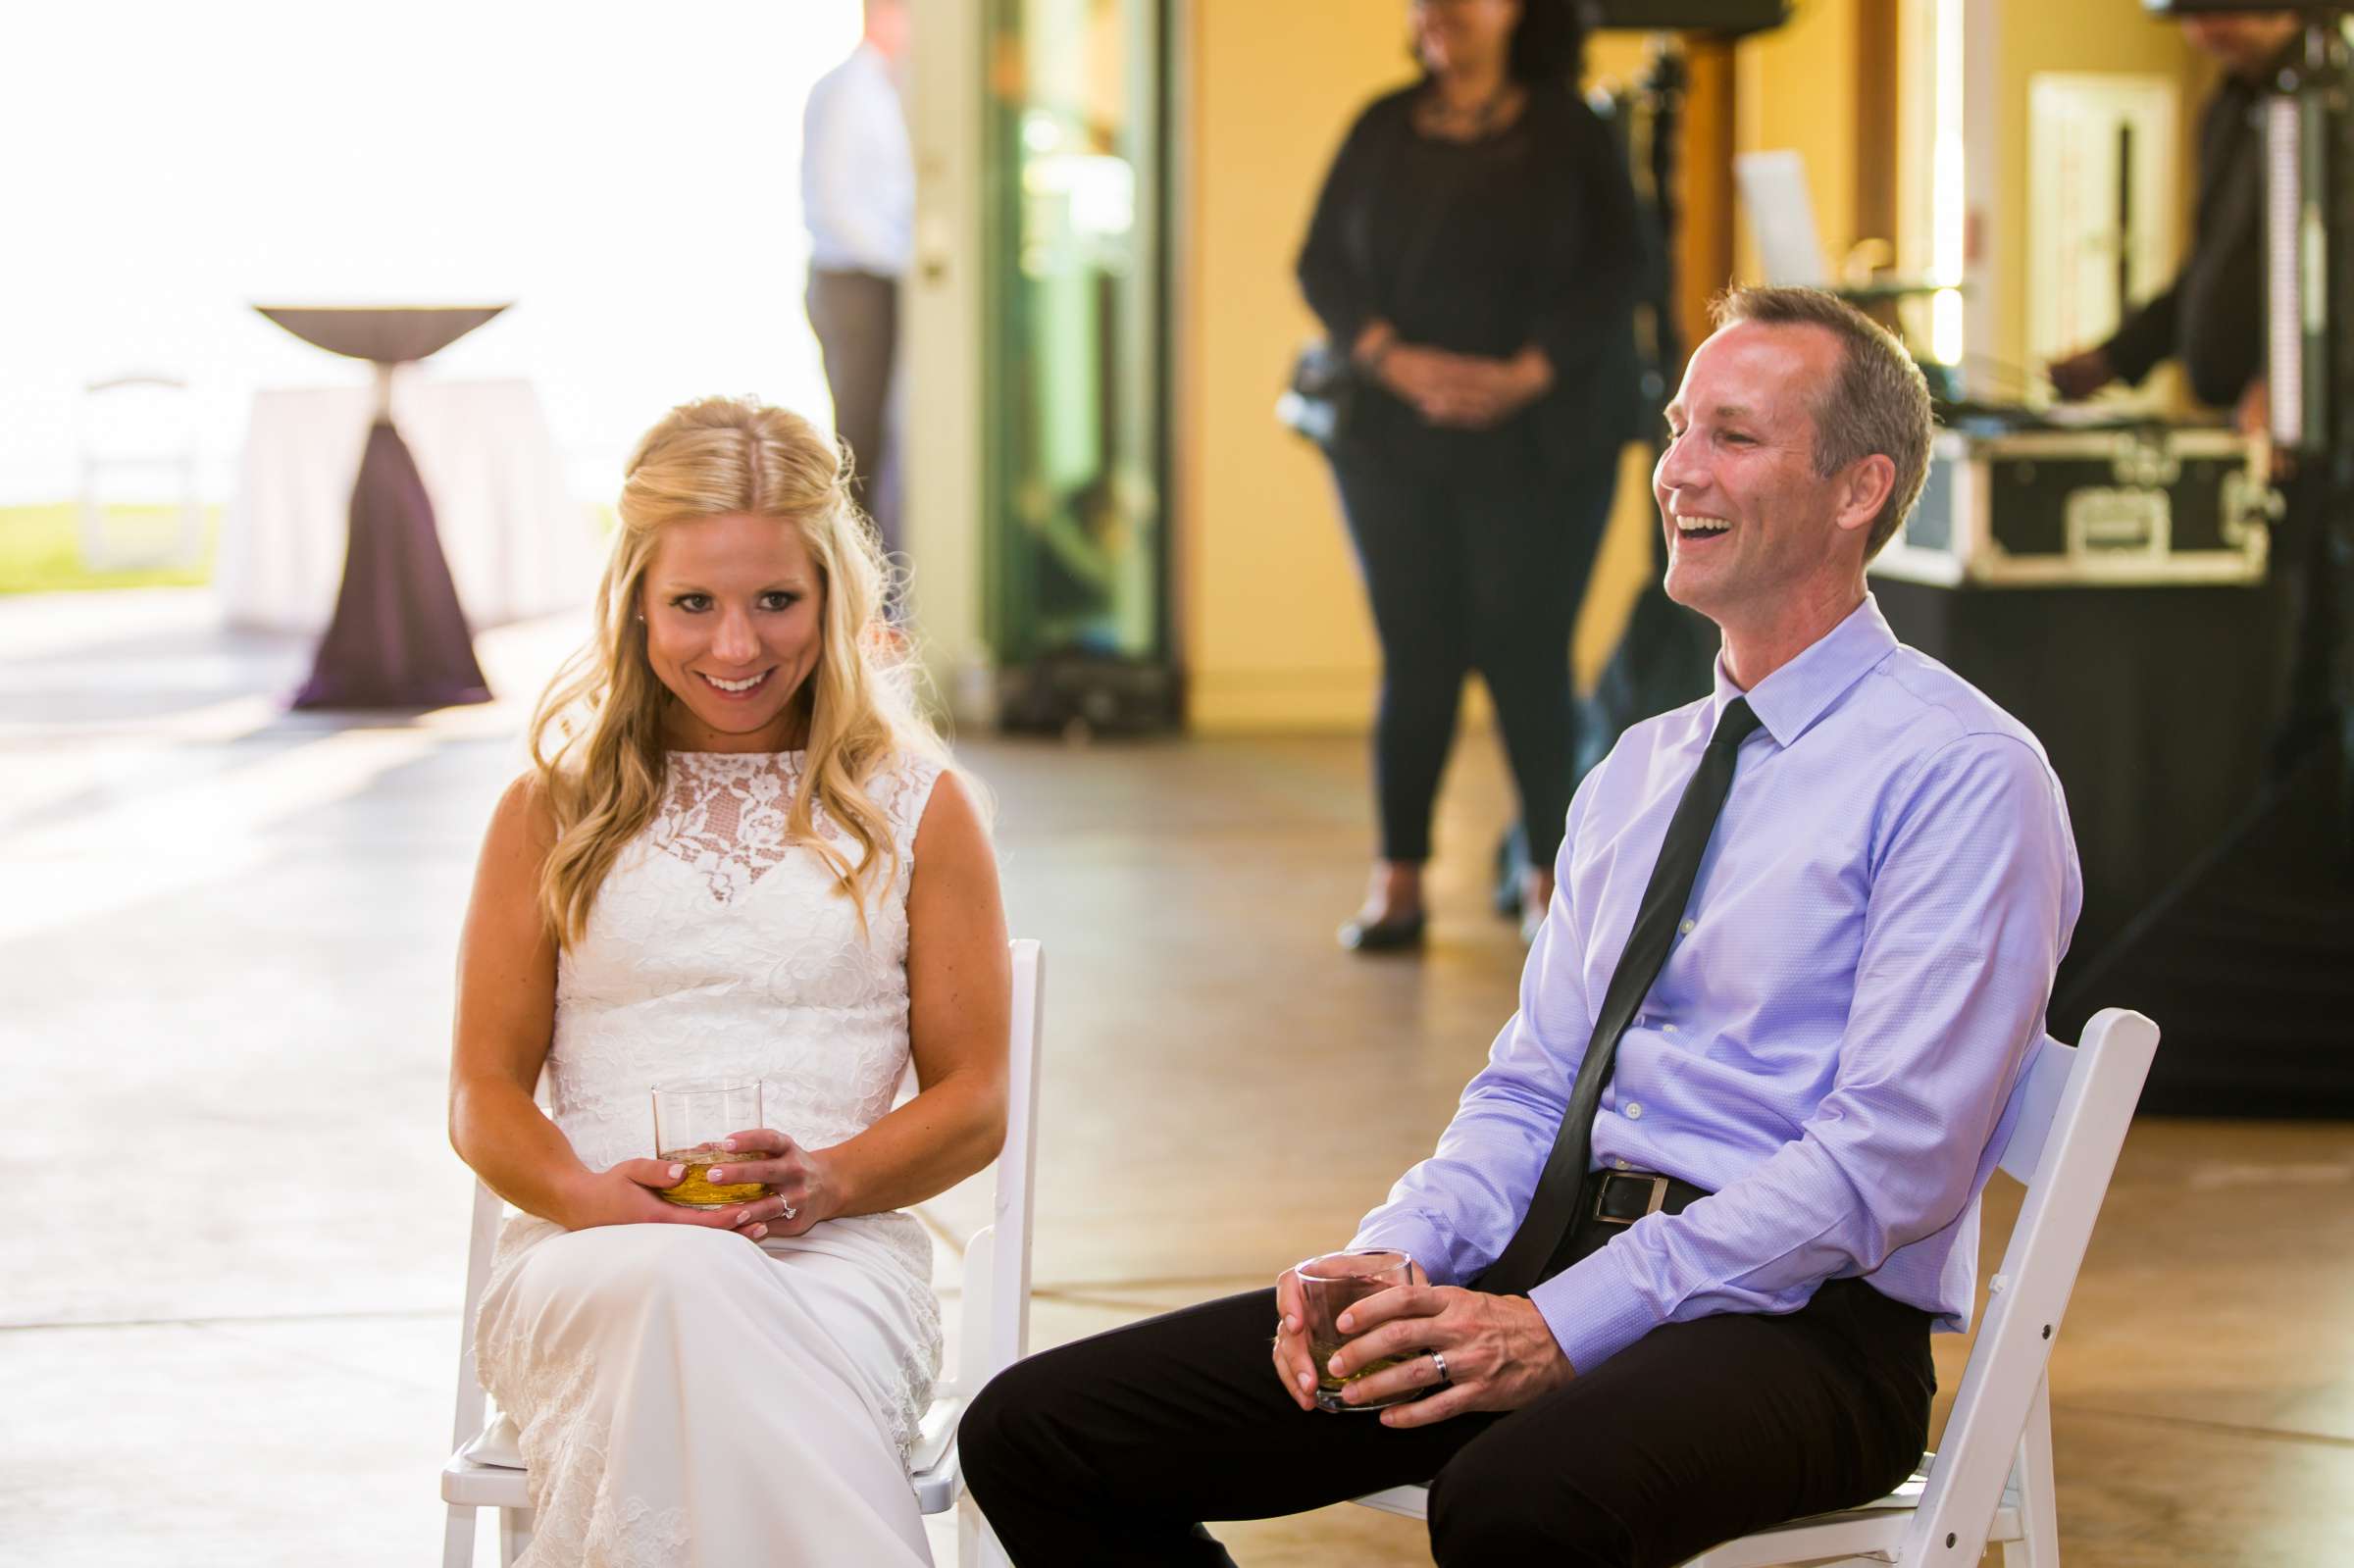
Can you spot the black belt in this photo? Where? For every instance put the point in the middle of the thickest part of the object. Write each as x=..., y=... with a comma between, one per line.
x=1608, y=1203
x=1621, y=1197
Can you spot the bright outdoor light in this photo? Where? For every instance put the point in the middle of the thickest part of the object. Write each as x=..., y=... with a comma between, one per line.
x=631, y=179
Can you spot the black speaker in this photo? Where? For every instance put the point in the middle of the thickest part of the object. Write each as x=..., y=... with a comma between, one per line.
x=1727, y=18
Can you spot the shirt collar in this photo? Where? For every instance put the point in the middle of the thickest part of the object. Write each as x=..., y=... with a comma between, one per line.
x=1789, y=700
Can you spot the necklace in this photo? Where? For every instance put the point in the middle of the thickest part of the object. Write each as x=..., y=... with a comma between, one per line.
x=1471, y=123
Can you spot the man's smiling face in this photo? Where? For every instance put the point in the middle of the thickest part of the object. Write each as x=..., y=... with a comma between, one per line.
x=1748, y=520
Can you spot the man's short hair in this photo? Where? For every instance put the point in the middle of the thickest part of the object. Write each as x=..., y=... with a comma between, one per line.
x=1878, y=403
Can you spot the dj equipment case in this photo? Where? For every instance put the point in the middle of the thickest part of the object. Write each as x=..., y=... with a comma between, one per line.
x=2139, y=506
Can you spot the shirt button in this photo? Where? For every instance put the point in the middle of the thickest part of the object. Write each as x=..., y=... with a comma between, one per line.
x=1685, y=928
x=1634, y=1112
x=1670, y=1029
x=1620, y=1165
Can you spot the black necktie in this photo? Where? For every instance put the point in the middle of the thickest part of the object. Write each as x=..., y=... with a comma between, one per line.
x=1545, y=1231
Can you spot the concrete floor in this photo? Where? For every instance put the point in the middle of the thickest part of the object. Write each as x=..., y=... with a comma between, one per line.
x=234, y=1230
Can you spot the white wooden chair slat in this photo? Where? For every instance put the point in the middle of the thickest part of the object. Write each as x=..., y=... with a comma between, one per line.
x=1991, y=1481
x=994, y=1335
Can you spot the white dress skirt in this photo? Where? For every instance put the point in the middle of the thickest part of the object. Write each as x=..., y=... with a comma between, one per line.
x=684, y=1395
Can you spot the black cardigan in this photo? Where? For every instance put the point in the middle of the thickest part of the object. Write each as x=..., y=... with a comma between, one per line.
x=1523, y=237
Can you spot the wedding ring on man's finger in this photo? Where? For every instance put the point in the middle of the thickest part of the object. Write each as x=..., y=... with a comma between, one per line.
x=1438, y=1364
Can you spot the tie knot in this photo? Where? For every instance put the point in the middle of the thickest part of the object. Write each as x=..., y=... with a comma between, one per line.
x=1735, y=724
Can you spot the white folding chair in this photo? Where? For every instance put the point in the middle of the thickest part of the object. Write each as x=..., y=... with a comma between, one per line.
x=1992, y=1480
x=994, y=1335
x=137, y=440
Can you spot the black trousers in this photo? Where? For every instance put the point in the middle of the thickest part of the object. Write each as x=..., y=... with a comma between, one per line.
x=2317, y=551
x=856, y=319
x=1114, y=1448
x=1476, y=562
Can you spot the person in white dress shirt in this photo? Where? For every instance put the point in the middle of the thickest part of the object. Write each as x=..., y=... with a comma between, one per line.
x=858, y=199
x=740, y=854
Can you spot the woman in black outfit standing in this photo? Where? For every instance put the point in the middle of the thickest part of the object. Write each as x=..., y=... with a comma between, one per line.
x=1474, y=250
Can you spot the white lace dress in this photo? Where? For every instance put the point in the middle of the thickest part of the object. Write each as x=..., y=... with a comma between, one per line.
x=686, y=1395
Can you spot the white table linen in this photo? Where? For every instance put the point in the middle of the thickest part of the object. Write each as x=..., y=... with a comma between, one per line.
x=517, y=543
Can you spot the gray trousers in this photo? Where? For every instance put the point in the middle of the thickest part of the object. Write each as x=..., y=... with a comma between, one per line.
x=856, y=319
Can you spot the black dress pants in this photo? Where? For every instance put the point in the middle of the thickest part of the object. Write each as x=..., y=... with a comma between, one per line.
x=1475, y=552
x=856, y=319
x=1114, y=1448
x=2317, y=551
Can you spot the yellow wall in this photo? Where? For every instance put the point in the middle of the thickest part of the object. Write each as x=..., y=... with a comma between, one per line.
x=1274, y=628
x=1795, y=88
x=1274, y=625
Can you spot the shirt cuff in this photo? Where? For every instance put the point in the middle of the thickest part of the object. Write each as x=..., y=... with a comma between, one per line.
x=1411, y=1235
x=1593, y=1310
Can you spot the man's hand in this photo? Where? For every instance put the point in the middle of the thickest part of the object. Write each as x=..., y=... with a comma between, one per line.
x=1295, y=1367
x=2079, y=376
x=1500, y=1352
x=2252, y=418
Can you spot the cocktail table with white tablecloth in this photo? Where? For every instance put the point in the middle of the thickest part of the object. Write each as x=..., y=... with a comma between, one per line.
x=518, y=545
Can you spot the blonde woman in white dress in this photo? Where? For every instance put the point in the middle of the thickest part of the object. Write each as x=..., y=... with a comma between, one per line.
x=739, y=855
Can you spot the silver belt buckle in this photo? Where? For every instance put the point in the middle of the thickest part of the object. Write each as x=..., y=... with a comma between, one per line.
x=1659, y=1197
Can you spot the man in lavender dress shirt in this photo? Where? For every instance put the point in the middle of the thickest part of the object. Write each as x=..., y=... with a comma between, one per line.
x=1803, y=1110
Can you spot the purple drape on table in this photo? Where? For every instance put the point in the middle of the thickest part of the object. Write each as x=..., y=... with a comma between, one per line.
x=399, y=639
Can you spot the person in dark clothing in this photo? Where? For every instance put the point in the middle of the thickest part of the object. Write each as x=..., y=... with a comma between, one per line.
x=2211, y=319
x=2212, y=316
x=1474, y=250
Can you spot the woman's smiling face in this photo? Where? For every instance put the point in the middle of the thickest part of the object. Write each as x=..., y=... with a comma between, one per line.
x=1450, y=33
x=733, y=613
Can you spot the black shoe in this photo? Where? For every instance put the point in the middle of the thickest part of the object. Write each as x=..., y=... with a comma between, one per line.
x=1383, y=936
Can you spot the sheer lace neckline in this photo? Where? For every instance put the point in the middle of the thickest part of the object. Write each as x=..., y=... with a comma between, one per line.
x=726, y=813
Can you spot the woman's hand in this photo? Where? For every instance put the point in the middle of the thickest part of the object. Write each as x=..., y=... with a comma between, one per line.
x=628, y=1194
x=1465, y=391
x=804, y=1187
x=1486, y=392
x=1421, y=377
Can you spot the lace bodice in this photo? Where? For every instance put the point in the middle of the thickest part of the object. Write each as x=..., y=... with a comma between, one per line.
x=718, y=949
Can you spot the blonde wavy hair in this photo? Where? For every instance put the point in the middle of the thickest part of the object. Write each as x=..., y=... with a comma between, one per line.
x=596, y=736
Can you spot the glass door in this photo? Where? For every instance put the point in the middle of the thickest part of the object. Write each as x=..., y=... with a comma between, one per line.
x=1075, y=392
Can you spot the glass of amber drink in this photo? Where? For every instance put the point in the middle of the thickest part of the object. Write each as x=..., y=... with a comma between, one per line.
x=1329, y=1287
x=690, y=1123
